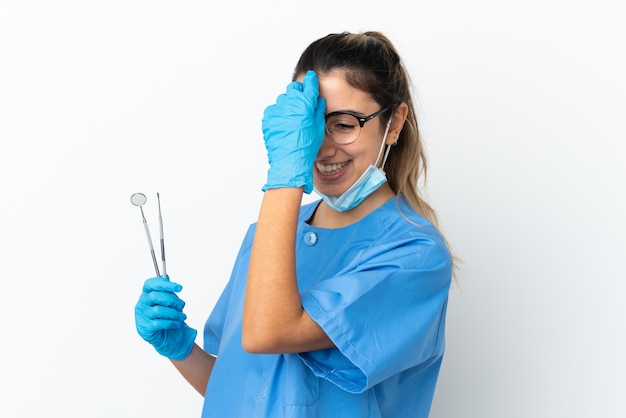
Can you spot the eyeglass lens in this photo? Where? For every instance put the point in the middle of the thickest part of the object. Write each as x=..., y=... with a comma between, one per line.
x=343, y=128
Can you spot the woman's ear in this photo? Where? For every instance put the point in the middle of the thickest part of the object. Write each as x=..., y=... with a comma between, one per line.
x=397, y=123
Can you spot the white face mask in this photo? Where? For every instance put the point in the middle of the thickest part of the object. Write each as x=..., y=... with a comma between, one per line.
x=371, y=179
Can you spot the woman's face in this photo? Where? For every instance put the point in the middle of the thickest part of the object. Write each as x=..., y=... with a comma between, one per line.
x=337, y=167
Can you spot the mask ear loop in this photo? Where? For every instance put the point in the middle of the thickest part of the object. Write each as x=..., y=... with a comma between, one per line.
x=382, y=146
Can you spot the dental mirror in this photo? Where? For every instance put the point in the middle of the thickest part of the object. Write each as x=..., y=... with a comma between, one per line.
x=139, y=199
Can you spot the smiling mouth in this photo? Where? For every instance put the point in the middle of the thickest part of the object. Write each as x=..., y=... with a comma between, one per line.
x=329, y=169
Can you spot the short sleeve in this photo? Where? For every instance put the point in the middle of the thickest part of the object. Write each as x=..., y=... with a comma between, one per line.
x=385, y=315
x=218, y=320
x=214, y=326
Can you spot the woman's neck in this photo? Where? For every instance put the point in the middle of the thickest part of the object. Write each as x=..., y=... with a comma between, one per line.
x=325, y=217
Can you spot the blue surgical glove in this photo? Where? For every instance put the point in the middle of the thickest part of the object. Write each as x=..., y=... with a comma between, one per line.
x=293, y=130
x=160, y=320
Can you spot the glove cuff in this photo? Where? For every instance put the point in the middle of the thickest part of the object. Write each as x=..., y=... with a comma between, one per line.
x=294, y=180
x=182, y=350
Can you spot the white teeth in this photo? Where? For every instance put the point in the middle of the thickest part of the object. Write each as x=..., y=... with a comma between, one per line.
x=328, y=169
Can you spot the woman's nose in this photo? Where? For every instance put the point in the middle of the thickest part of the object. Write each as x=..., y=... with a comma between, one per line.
x=328, y=148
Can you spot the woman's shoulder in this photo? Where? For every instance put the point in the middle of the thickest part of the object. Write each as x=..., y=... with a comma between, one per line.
x=409, y=238
x=398, y=215
x=399, y=222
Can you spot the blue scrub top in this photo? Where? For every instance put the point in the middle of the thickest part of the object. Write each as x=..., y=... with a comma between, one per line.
x=379, y=289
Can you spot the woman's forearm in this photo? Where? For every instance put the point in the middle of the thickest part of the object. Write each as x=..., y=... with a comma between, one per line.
x=196, y=368
x=274, y=320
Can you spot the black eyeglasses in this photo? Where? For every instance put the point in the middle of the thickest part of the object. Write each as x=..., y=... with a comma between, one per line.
x=345, y=127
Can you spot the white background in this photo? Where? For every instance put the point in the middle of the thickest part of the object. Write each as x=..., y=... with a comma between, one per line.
x=522, y=106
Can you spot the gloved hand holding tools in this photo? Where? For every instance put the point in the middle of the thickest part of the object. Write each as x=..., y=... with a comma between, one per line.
x=160, y=320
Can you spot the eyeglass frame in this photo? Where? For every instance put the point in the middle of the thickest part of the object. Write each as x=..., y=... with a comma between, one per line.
x=360, y=119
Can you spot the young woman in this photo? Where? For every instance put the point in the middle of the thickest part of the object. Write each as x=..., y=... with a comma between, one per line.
x=335, y=308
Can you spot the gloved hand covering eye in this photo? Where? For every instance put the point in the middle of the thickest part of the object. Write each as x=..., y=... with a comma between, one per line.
x=160, y=320
x=293, y=130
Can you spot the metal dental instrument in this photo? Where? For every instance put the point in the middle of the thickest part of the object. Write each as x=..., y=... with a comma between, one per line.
x=139, y=199
x=162, y=239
